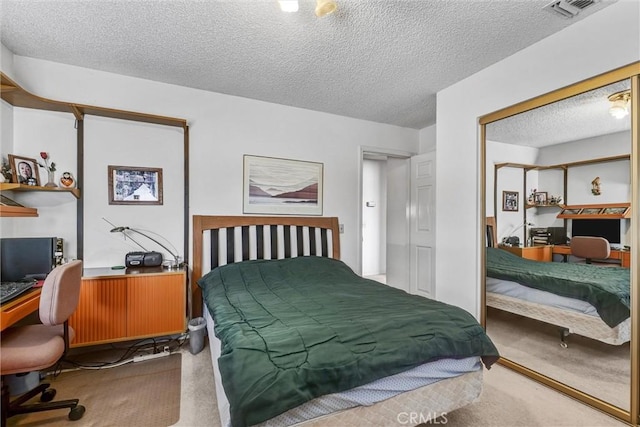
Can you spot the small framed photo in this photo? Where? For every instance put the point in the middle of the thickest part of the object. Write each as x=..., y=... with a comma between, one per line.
x=570, y=211
x=130, y=185
x=540, y=198
x=590, y=211
x=510, y=201
x=615, y=211
x=24, y=170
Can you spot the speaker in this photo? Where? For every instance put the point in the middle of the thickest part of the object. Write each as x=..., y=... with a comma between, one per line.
x=143, y=259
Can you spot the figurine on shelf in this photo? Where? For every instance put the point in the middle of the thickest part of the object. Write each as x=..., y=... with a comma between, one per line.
x=67, y=180
x=595, y=186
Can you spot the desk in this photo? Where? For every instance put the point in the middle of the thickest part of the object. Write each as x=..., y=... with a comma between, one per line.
x=20, y=307
x=117, y=305
x=536, y=253
x=623, y=256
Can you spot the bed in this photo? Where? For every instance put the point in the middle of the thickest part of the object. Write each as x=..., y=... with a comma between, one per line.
x=587, y=300
x=297, y=338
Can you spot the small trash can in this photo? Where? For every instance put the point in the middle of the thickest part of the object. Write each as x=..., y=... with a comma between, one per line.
x=197, y=328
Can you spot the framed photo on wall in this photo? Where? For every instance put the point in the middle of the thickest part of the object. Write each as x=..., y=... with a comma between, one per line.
x=24, y=170
x=510, y=201
x=130, y=185
x=282, y=186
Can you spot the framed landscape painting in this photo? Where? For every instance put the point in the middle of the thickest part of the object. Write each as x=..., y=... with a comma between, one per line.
x=282, y=186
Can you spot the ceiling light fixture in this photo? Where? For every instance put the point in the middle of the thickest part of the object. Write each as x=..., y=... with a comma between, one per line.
x=325, y=7
x=620, y=104
x=288, y=5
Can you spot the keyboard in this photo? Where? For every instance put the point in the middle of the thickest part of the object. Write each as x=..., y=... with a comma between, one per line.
x=10, y=290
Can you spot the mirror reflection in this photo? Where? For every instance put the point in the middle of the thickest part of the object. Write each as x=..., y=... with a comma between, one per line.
x=558, y=280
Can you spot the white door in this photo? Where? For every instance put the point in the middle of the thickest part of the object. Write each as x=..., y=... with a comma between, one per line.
x=422, y=234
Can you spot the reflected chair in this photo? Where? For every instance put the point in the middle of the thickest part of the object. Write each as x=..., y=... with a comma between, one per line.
x=32, y=348
x=590, y=248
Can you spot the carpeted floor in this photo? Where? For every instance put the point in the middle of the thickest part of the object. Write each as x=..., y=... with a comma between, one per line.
x=508, y=399
x=136, y=394
x=599, y=369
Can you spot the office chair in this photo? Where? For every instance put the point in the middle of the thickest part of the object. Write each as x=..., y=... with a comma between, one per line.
x=590, y=248
x=36, y=347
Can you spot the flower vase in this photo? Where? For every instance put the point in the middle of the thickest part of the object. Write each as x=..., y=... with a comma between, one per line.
x=51, y=179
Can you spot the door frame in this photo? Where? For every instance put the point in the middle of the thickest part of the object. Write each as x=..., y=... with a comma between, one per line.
x=389, y=152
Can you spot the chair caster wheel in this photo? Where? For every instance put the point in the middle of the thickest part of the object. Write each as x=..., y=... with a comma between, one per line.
x=48, y=395
x=76, y=413
x=564, y=345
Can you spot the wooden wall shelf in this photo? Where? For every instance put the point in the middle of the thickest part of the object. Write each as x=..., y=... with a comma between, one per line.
x=545, y=206
x=23, y=187
x=17, y=211
x=18, y=97
x=564, y=165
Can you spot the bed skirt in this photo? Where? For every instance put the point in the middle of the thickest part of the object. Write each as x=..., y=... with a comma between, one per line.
x=577, y=323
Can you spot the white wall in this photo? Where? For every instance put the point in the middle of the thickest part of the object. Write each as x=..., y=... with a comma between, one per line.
x=615, y=176
x=599, y=43
x=6, y=112
x=35, y=131
x=614, y=144
x=427, y=139
x=222, y=129
x=128, y=143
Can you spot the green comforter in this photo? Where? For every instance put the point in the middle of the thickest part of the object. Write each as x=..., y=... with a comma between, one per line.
x=295, y=329
x=606, y=288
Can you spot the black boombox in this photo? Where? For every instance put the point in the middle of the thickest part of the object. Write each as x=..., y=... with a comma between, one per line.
x=143, y=259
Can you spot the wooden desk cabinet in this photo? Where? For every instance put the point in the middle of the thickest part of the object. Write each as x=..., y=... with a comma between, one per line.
x=118, y=305
x=536, y=253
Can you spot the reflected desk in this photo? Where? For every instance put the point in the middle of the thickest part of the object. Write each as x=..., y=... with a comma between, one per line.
x=20, y=307
x=623, y=256
x=536, y=253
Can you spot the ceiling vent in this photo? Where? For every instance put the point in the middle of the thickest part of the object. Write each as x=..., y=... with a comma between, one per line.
x=568, y=8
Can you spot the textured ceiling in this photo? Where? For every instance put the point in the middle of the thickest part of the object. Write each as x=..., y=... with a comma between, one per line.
x=579, y=117
x=382, y=61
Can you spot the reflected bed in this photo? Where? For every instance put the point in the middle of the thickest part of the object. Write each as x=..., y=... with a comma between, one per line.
x=587, y=300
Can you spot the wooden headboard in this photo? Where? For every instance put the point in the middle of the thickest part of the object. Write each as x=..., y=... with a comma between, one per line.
x=219, y=240
x=492, y=232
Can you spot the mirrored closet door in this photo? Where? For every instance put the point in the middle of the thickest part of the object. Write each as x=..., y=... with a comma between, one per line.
x=559, y=167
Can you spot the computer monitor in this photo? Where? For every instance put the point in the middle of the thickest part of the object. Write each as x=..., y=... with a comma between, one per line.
x=607, y=228
x=26, y=257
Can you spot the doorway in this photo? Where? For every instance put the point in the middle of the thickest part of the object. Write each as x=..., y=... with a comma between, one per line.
x=374, y=218
x=384, y=219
